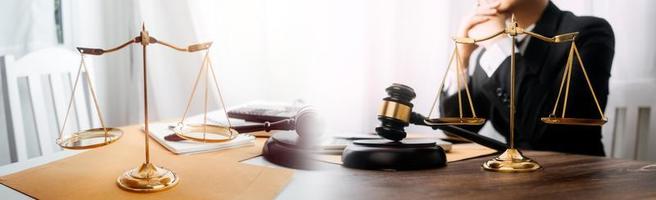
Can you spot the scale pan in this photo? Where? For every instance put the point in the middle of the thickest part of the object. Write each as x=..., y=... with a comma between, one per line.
x=455, y=121
x=212, y=133
x=90, y=138
x=573, y=121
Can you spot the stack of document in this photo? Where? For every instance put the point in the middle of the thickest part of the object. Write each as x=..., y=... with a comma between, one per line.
x=159, y=131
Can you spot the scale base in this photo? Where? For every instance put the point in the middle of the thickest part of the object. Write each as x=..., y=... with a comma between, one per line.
x=511, y=160
x=408, y=154
x=147, y=178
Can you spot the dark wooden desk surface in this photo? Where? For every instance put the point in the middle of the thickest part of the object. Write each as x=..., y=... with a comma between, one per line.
x=563, y=176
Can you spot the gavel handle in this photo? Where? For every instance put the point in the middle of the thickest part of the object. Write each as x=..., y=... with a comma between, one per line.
x=286, y=124
x=418, y=119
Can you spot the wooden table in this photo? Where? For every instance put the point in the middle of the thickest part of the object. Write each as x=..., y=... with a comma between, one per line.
x=564, y=176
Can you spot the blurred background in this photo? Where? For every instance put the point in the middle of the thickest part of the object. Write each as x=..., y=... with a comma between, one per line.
x=338, y=55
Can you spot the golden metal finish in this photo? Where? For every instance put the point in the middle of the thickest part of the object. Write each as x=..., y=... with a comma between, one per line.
x=567, y=37
x=205, y=132
x=512, y=84
x=455, y=121
x=199, y=47
x=144, y=42
x=90, y=138
x=565, y=83
x=395, y=110
x=150, y=40
x=474, y=41
x=147, y=177
x=573, y=121
x=511, y=160
x=461, y=81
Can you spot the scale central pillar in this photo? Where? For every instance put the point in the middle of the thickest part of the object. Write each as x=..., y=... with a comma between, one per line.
x=512, y=159
x=147, y=177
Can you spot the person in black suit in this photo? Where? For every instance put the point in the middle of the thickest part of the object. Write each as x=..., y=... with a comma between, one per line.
x=539, y=68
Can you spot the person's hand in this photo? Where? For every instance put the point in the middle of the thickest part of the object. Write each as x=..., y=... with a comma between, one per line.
x=495, y=23
x=484, y=18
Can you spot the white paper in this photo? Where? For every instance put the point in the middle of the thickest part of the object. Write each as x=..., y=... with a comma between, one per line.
x=160, y=130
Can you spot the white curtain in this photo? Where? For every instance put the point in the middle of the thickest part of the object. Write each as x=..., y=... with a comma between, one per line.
x=25, y=27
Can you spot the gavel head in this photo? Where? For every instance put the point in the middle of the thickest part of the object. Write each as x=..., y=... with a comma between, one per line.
x=308, y=123
x=395, y=112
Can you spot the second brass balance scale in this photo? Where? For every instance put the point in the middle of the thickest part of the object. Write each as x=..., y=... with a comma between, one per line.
x=512, y=159
x=148, y=177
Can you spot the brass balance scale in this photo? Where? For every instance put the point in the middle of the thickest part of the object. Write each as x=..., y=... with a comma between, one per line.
x=512, y=159
x=148, y=177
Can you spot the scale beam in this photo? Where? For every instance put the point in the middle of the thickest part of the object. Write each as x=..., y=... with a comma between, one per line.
x=562, y=38
x=151, y=40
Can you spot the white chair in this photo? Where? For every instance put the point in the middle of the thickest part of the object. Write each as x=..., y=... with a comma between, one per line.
x=36, y=90
x=631, y=129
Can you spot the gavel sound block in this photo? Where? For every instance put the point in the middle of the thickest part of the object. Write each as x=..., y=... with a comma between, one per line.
x=394, y=152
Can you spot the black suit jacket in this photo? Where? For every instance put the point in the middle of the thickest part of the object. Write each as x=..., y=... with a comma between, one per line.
x=539, y=71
